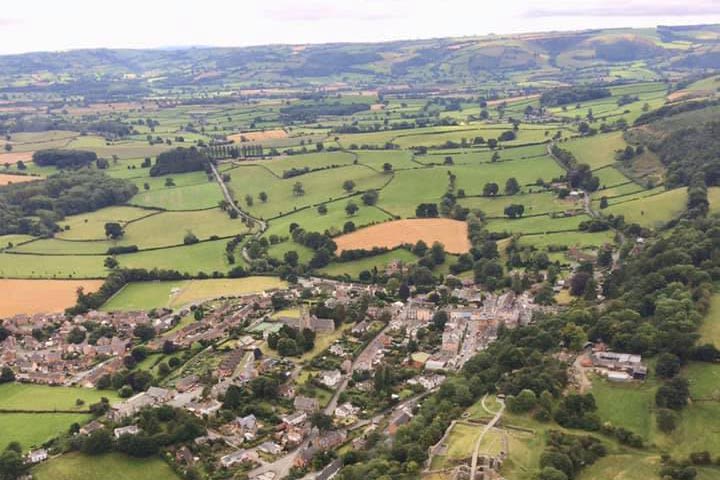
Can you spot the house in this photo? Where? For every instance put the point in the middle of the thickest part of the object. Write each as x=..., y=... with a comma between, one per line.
x=129, y=430
x=246, y=425
x=159, y=395
x=270, y=448
x=399, y=419
x=346, y=410
x=306, y=404
x=208, y=407
x=330, y=378
x=295, y=419
x=91, y=427
x=37, y=456
x=331, y=439
x=184, y=455
x=435, y=364
x=186, y=383
x=240, y=456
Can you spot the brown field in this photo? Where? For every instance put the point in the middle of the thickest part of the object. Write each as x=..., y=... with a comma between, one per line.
x=451, y=233
x=6, y=179
x=40, y=296
x=688, y=95
x=258, y=136
x=14, y=157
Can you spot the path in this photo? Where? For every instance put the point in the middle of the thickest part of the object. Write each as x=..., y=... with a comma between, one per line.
x=241, y=213
x=488, y=427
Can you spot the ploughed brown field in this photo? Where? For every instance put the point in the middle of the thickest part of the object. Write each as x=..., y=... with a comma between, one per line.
x=13, y=157
x=41, y=296
x=451, y=233
x=6, y=179
x=258, y=136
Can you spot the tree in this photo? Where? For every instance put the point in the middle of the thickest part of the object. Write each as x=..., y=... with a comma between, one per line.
x=144, y=332
x=7, y=375
x=666, y=420
x=76, y=335
x=551, y=473
x=249, y=200
x=114, y=230
x=322, y=209
x=490, y=189
x=348, y=227
x=387, y=167
x=512, y=186
x=674, y=394
x=439, y=319
x=603, y=202
x=8, y=147
x=321, y=421
x=514, y=210
x=578, y=283
x=190, y=239
x=169, y=182
x=287, y=347
x=111, y=263
x=370, y=197
x=404, y=291
x=351, y=208
x=263, y=197
x=437, y=252
x=291, y=258
x=668, y=365
x=298, y=189
x=348, y=185
x=97, y=442
x=12, y=464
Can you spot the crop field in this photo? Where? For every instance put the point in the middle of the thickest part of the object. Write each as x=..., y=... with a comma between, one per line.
x=41, y=296
x=451, y=233
x=7, y=241
x=598, y=150
x=541, y=224
x=123, y=148
x=652, y=211
x=319, y=187
x=31, y=141
x=111, y=466
x=474, y=155
x=260, y=136
x=610, y=177
x=7, y=179
x=175, y=294
x=379, y=262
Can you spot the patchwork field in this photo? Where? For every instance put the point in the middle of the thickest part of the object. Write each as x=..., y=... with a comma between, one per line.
x=112, y=466
x=34, y=429
x=597, y=150
x=22, y=396
x=41, y=296
x=651, y=211
x=147, y=295
x=378, y=262
x=451, y=233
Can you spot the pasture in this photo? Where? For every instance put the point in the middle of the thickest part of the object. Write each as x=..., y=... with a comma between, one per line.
x=201, y=257
x=379, y=262
x=28, y=397
x=710, y=327
x=534, y=203
x=452, y=234
x=597, y=150
x=91, y=226
x=41, y=296
x=175, y=294
x=8, y=179
x=110, y=466
x=51, y=266
x=311, y=161
x=651, y=211
x=31, y=430
x=540, y=224
x=568, y=239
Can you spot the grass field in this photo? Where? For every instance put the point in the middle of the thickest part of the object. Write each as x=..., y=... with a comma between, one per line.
x=20, y=396
x=48, y=266
x=704, y=381
x=21, y=296
x=541, y=224
x=710, y=328
x=202, y=257
x=637, y=400
x=652, y=211
x=147, y=295
x=91, y=226
x=534, y=203
x=34, y=429
x=399, y=159
x=7, y=240
x=598, y=150
x=191, y=197
x=570, y=239
x=313, y=161
x=112, y=466
x=319, y=187
x=354, y=268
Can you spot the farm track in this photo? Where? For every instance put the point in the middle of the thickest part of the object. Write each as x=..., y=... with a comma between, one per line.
x=241, y=213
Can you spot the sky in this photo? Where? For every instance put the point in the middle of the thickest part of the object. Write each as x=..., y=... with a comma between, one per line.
x=51, y=25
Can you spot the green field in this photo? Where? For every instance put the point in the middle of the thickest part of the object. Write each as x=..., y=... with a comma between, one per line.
x=48, y=266
x=91, y=226
x=202, y=257
x=637, y=400
x=597, y=150
x=175, y=294
x=354, y=268
x=313, y=161
x=113, y=466
x=710, y=328
x=541, y=224
x=21, y=396
x=34, y=429
x=569, y=239
x=651, y=211
x=534, y=203
x=191, y=197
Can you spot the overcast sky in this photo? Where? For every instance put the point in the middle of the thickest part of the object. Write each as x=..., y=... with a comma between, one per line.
x=32, y=25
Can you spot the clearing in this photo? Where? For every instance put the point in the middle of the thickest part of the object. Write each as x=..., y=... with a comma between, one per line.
x=111, y=466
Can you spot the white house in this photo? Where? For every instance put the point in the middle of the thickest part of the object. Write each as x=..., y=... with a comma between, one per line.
x=37, y=456
x=129, y=430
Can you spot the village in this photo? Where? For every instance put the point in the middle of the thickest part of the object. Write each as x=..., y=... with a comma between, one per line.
x=316, y=404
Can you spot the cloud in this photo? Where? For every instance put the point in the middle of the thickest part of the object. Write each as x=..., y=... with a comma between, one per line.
x=9, y=22
x=320, y=10
x=672, y=8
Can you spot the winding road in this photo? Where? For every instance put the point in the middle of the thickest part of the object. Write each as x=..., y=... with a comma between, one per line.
x=488, y=427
